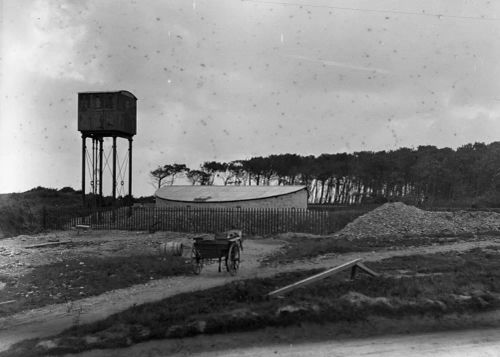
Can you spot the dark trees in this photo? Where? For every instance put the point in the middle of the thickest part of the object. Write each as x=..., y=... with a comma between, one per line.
x=166, y=174
x=199, y=177
x=431, y=174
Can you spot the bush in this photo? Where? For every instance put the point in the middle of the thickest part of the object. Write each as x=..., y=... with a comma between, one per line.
x=67, y=189
x=490, y=199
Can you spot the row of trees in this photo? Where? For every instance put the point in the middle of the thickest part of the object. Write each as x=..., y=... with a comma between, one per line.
x=427, y=173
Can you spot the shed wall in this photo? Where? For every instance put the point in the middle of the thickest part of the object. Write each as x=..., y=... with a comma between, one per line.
x=292, y=200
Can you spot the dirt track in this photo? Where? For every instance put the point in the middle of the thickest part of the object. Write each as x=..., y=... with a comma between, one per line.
x=52, y=319
x=444, y=344
x=464, y=343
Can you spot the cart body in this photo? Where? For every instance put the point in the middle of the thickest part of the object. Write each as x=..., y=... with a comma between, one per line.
x=227, y=247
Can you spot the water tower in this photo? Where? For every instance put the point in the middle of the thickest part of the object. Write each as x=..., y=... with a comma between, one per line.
x=106, y=115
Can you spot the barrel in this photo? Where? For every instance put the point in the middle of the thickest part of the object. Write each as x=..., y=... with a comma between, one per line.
x=171, y=249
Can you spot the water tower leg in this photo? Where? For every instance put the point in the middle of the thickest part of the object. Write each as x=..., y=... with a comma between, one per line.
x=94, y=179
x=100, y=170
x=96, y=167
x=84, y=149
x=114, y=168
x=130, y=170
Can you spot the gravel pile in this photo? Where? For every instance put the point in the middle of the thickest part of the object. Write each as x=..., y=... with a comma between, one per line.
x=398, y=219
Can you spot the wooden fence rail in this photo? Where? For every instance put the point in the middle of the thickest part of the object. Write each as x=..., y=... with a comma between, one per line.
x=205, y=220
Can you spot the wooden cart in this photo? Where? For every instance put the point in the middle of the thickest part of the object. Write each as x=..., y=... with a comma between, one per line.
x=227, y=247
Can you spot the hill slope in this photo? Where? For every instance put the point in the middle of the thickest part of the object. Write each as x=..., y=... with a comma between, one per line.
x=21, y=213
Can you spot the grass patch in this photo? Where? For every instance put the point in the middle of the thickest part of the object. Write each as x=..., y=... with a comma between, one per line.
x=305, y=248
x=459, y=282
x=78, y=278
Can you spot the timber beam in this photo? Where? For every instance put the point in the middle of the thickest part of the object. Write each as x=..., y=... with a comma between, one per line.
x=353, y=264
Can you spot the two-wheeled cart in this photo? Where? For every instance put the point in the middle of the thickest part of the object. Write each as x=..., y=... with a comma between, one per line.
x=227, y=247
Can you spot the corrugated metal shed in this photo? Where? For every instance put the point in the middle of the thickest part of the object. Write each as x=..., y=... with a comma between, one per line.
x=223, y=193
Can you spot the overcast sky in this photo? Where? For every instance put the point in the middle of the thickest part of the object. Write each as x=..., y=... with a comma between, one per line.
x=229, y=79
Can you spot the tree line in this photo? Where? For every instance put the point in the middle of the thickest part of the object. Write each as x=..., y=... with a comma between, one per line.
x=427, y=174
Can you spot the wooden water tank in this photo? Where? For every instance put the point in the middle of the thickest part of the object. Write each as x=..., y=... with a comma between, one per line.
x=107, y=113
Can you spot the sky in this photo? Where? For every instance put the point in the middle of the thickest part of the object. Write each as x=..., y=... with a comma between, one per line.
x=230, y=79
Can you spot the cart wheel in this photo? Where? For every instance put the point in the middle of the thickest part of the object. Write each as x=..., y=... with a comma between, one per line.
x=233, y=259
x=196, y=261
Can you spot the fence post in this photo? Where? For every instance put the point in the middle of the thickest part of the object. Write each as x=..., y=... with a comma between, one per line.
x=130, y=219
x=259, y=221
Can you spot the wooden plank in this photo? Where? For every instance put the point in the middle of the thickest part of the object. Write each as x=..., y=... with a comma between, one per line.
x=7, y=302
x=41, y=245
x=314, y=278
x=366, y=269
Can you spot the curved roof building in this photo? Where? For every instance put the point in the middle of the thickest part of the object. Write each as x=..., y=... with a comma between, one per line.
x=233, y=196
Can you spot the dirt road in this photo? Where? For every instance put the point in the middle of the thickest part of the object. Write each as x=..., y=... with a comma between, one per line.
x=444, y=344
x=464, y=343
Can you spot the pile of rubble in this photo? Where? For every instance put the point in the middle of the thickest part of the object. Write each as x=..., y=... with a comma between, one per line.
x=398, y=219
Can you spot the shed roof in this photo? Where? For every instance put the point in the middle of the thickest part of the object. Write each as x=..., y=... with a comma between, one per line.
x=223, y=193
x=126, y=92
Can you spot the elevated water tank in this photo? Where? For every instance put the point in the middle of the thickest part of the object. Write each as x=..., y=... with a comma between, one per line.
x=107, y=113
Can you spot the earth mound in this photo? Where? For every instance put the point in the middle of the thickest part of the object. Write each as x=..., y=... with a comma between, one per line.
x=398, y=219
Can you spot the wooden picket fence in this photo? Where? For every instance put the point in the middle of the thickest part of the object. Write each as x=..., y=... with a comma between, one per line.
x=211, y=220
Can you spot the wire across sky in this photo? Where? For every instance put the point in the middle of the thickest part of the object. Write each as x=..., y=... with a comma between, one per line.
x=381, y=11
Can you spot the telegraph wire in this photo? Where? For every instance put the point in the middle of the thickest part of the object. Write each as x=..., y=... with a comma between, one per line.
x=382, y=11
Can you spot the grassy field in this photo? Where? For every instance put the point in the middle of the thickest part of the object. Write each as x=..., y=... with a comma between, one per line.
x=422, y=285
x=87, y=276
x=303, y=247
